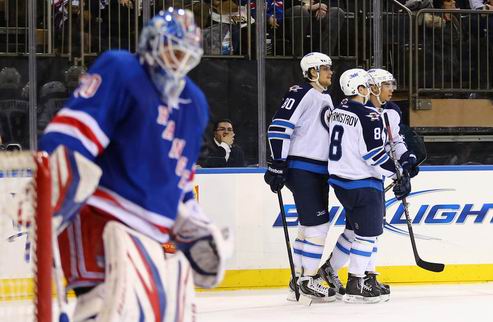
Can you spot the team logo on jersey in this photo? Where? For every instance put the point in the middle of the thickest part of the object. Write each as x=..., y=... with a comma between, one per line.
x=374, y=116
x=295, y=88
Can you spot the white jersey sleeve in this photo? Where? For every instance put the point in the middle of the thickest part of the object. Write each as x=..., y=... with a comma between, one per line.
x=394, y=114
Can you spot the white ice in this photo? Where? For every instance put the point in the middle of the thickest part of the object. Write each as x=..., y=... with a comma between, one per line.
x=409, y=303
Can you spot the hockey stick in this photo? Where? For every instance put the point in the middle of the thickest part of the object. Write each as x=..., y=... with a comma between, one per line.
x=288, y=244
x=434, y=267
x=58, y=275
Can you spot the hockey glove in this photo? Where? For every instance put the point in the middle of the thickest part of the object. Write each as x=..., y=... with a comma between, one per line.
x=275, y=176
x=202, y=243
x=402, y=187
x=409, y=164
x=74, y=179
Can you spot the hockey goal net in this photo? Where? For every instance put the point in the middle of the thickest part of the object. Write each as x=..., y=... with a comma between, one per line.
x=26, y=237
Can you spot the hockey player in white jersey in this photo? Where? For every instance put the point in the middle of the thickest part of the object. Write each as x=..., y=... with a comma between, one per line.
x=357, y=164
x=299, y=150
x=382, y=85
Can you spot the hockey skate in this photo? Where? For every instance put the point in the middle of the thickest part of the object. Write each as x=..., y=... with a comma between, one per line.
x=330, y=276
x=383, y=288
x=312, y=287
x=360, y=290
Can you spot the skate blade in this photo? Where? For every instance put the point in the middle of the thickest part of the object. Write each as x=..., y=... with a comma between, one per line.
x=385, y=298
x=358, y=299
x=291, y=297
x=305, y=300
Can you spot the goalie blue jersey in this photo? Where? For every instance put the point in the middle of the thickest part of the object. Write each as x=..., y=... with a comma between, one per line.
x=146, y=149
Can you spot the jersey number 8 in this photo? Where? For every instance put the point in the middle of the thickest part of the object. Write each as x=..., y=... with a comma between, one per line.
x=335, y=149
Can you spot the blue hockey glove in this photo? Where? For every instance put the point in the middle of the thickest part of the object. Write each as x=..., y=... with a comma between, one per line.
x=275, y=176
x=402, y=187
x=409, y=164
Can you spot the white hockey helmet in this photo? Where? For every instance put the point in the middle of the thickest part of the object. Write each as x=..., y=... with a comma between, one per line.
x=379, y=76
x=351, y=79
x=314, y=60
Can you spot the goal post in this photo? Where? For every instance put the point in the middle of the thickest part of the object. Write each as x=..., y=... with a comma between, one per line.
x=26, y=291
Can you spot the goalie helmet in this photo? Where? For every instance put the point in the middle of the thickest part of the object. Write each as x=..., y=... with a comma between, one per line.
x=314, y=60
x=172, y=41
x=351, y=79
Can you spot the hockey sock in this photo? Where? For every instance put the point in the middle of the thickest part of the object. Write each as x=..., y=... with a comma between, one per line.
x=340, y=254
x=313, y=248
x=360, y=254
x=373, y=259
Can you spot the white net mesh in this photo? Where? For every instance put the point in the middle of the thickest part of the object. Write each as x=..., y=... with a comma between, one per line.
x=17, y=241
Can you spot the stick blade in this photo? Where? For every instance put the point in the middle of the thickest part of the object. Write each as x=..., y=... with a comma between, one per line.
x=305, y=300
x=433, y=267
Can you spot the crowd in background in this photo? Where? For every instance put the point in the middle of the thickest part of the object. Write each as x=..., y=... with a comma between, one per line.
x=452, y=46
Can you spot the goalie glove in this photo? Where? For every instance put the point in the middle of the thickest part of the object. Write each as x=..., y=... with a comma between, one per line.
x=205, y=246
x=74, y=179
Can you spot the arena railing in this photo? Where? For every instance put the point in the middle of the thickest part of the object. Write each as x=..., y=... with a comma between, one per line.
x=454, y=53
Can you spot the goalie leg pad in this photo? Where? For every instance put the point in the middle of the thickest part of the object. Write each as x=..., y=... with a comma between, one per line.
x=141, y=283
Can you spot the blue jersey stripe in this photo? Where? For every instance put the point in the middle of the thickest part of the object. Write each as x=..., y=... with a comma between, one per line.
x=357, y=184
x=302, y=165
x=283, y=123
x=278, y=136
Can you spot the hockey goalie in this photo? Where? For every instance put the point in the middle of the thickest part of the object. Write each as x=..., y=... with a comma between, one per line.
x=122, y=154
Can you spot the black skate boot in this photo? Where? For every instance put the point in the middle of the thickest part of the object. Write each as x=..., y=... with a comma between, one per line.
x=360, y=290
x=330, y=276
x=312, y=287
x=292, y=293
x=383, y=288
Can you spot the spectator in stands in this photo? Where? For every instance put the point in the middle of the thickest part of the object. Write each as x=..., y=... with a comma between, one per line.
x=222, y=152
x=227, y=33
x=481, y=4
x=318, y=20
x=274, y=12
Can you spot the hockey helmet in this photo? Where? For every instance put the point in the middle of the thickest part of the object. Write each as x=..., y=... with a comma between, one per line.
x=351, y=79
x=314, y=60
x=379, y=76
x=172, y=41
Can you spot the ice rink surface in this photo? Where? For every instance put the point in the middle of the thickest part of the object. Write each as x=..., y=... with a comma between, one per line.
x=409, y=303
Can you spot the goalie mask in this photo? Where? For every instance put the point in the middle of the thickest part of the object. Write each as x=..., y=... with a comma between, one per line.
x=170, y=44
x=352, y=79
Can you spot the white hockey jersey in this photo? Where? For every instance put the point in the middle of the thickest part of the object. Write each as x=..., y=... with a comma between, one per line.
x=357, y=155
x=297, y=133
x=394, y=113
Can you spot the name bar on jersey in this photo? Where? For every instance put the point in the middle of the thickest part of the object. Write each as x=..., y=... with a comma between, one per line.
x=344, y=118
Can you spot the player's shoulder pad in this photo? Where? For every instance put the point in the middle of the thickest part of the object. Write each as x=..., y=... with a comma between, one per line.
x=368, y=115
x=389, y=106
x=298, y=91
x=121, y=63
